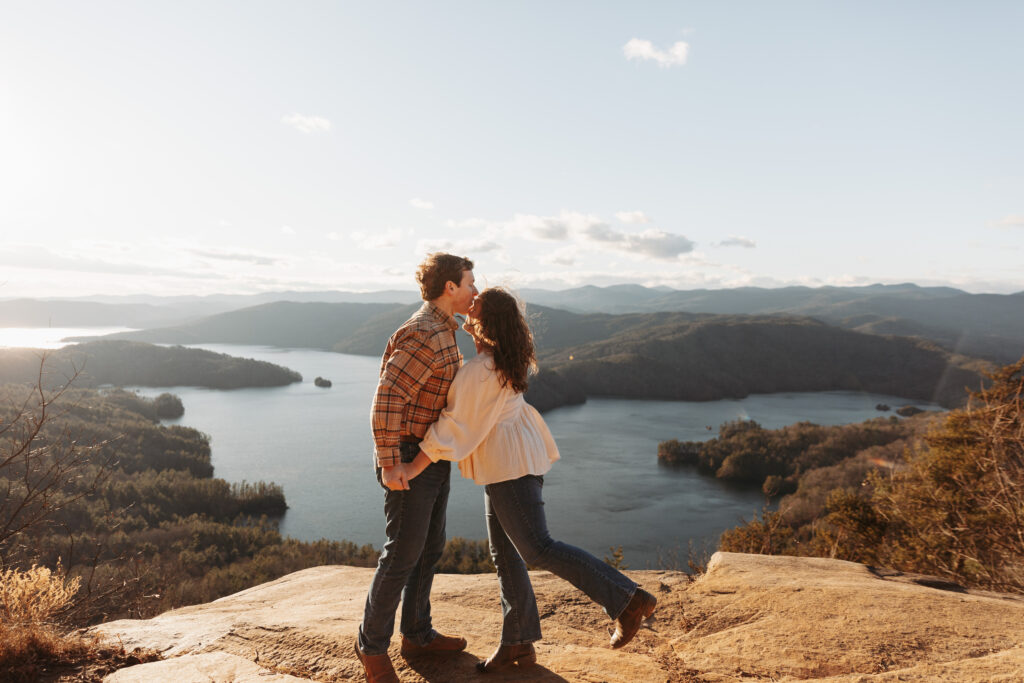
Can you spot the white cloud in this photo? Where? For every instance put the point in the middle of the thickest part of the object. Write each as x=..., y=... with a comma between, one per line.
x=585, y=230
x=44, y=258
x=601, y=232
x=244, y=257
x=564, y=226
x=656, y=244
x=566, y=256
x=307, y=124
x=539, y=227
x=469, y=224
x=632, y=217
x=287, y=230
x=99, y=247
x=673, y=277
x=1011, y=221
x=387, y=239
x=333, y=236
x=737, y=241
x=468, y=248
x=421, y=204
x=644, y=50
x=653, y=243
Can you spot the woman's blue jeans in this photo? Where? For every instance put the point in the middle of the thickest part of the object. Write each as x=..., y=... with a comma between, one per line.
x=518, y=531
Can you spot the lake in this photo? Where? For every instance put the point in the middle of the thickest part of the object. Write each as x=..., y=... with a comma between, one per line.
x=607, y=490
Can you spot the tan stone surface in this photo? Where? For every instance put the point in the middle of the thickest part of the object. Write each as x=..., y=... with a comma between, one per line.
x=211, y=666
x=750, y=618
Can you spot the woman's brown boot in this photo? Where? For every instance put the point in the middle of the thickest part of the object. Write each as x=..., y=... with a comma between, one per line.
x=507, y=656
x=639, y=608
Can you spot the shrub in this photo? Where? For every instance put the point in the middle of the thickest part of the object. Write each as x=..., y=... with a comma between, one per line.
x=34, y=596
x=29, y=602
x=949, y=502
x=957, y=509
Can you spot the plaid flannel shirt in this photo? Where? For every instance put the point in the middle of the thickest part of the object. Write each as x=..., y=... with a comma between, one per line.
x=418, y=366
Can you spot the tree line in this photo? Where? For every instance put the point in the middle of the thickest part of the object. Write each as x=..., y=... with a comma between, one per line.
x=935, y=495
x=128, y=363
x=776, y=459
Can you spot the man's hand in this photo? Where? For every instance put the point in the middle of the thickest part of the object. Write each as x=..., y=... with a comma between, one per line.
x=395, y=477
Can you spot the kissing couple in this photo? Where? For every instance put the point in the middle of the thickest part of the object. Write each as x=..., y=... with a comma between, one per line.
x=430, y=410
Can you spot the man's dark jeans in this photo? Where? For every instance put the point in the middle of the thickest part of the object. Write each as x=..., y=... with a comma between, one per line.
x=517, y=530
x=416, y=536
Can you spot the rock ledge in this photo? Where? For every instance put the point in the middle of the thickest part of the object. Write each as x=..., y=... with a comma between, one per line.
x=750, y=618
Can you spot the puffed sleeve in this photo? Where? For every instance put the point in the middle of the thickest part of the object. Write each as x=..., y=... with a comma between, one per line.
x=475, y=400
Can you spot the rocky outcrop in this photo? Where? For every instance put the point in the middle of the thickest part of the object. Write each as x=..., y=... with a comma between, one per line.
x=750, y=618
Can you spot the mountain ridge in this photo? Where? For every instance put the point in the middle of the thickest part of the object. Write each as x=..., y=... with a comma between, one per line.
x=663, y=355
x=989, y=326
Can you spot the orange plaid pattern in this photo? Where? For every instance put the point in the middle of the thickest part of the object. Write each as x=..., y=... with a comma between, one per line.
x=418, y=366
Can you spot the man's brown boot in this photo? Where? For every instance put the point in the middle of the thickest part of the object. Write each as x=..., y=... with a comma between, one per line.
x=378, y=668
x=507, y=656
x=640, y=606
x=440, y=645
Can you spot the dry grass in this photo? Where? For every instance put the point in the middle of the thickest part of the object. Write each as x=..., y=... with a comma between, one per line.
x=35, y=596
x=32, y=646
x=36, y=653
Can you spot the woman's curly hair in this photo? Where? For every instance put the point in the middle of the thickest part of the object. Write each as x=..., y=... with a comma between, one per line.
x=499, y=325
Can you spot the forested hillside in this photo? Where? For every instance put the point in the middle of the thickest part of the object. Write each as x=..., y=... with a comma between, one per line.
x=126, y=363
x=705, y=358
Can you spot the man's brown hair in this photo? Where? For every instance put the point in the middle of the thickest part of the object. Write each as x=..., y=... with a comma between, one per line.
x=438, y=269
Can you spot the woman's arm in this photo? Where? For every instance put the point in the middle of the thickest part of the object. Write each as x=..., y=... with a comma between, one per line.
x=475, y=400
x=414, y=468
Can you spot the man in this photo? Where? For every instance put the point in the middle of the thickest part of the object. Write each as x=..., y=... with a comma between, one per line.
x=418, y=366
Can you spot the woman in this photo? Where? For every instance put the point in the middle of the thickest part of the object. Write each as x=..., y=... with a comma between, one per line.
x=502, y=443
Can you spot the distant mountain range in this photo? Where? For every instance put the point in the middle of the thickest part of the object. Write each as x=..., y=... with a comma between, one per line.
x=904, y=340
x=281, y=323
x=635, y=298
x=984, y=325
x=987, y=326
x=142, y=310
x=664, y=355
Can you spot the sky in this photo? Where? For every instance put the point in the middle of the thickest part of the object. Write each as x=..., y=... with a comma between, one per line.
x=200, y=147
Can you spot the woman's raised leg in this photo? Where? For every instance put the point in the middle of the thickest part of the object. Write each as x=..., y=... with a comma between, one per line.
x=519, y=508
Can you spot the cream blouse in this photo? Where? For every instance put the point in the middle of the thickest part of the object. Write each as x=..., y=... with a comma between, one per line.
x=490, y=430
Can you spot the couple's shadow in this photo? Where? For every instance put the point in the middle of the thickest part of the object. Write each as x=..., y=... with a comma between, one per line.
x=463, y=667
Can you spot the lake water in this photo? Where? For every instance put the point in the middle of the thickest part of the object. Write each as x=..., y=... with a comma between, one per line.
x=607, y=490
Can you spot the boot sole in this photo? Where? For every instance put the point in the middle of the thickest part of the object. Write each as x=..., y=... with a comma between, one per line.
x=525, y=660
x=409, y=653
